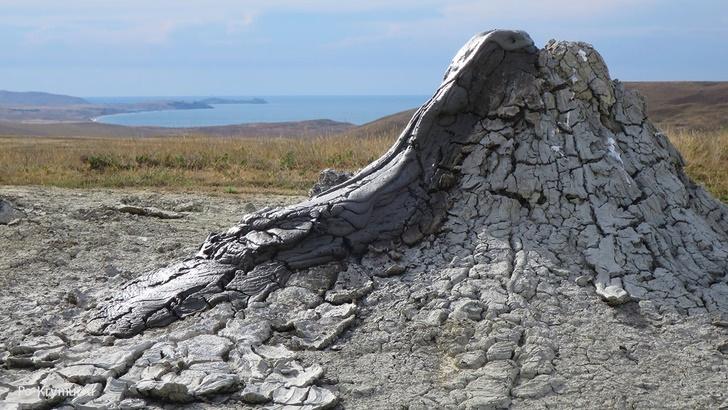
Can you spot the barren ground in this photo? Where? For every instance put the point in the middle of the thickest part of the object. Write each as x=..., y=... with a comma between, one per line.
x=73, y=244
x=72, y=247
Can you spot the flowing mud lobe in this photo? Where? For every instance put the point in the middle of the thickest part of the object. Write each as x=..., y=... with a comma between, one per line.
x=530, y=240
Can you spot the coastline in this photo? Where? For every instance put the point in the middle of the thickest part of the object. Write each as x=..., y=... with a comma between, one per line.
x=278, y=109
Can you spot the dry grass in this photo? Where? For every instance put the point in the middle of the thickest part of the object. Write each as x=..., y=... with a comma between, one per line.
x=706, y=157
x=217, y=164
x=246, y=165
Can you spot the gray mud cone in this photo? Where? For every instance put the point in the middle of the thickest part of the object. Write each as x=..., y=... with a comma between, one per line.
x=530, y=240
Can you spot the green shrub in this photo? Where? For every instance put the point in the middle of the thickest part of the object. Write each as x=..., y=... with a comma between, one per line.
x=288, y=161
x=100, y=162
x=146, y=160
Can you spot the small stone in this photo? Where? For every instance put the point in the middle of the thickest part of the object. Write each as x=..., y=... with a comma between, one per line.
x=165, y=390
x=249, y=207
x=200, y=384
x=392, y=270
x=613, y=295
x=258, y=393
x=326, y=324
x=583, y=280
x=77, y=298
x=319, y=398
x=470, y=360
x=188, y=207
x=723, y=347
x=611, y=289
x=508, y=111
x=437, y=317
x=133, y=404
x=720, y=320
x=205, y=348
x=500, y=351
x=8, y=213
x=111, y=270
x=456, y=275
x=350, y=285
x=294, y=375
x=291, y=396
x=168, y=246
x=467, y=309
x=328, y=178
x=247, y=331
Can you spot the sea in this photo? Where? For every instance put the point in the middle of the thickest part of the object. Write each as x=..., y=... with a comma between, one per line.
x=358, y=110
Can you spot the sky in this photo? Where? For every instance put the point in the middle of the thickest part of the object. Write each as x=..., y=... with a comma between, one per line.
x=329, y=47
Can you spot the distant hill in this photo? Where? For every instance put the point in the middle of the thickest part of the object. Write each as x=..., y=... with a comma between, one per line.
x=218, y=100
x=389, y=125
x=294, y=129
x=686, y=104
x=681, y=104
x=46, y=107
x=35, y=98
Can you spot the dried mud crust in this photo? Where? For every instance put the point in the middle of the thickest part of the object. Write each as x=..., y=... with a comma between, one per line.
x=530, y=241
x=70, y=244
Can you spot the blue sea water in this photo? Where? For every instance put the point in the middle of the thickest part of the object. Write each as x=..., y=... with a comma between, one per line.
x=353, y=109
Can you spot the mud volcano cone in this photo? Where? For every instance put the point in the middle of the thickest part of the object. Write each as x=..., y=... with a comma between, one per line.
x=530, y=240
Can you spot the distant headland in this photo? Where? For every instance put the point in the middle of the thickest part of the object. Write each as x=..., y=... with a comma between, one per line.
x=217, y=100
x=36, y=106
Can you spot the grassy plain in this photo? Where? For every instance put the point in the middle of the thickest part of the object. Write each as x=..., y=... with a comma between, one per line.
x=706, y=157
x=281, y=165
x=208, y=163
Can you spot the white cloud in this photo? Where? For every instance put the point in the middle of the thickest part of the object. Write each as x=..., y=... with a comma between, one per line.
x=237, y=25
x=145, y=22
x=154, y=22
x=454, y=20
x=132, y=22
x=151, y=33
x=540, y=10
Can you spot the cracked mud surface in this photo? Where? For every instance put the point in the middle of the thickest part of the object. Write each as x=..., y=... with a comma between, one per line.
x=531, y=241
x=69, y=248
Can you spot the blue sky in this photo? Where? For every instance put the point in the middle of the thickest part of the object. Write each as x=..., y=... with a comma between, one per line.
x=295, y=47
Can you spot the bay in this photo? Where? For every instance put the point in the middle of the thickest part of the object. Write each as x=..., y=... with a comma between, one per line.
x=353, y=109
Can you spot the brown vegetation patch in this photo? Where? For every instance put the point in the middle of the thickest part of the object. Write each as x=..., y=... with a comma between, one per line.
x=255, y=165
x=227, y=164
